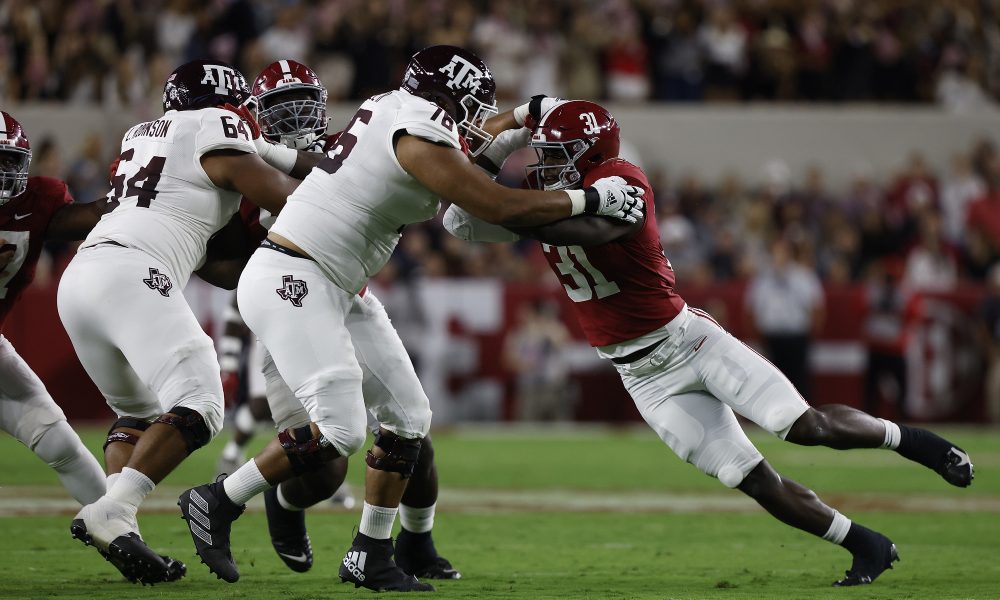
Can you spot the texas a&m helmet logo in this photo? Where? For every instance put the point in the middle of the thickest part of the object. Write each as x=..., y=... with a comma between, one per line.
x=462, y=74
x=158, y=281
x=292, y=289
x=223, y=78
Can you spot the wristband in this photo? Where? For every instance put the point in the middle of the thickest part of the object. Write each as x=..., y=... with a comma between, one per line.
x=593, y=200
x=578, y=198
x=521, y=113
x=280, y=157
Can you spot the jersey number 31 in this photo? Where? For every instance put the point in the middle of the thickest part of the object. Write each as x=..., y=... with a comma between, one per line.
x=583, y=289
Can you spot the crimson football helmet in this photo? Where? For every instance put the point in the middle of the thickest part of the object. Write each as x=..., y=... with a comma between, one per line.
x=459, y=82
x=291, y=104
x=202, y=84
x=15, y=158
x=571, y=139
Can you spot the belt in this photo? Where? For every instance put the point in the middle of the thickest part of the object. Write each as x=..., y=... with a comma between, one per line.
x=642, y=353
x=279, y=248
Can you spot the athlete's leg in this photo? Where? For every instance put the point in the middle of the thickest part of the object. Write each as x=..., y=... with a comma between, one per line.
x=139, y=379
x=754, y=388
x=702, y=430
x=29, y=413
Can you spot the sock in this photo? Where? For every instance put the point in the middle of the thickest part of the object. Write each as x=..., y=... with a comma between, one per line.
x=838, y=529
x=60, y=447
x=858, y=539
x=244, y=421
x=111, y=480
x=232, y=451
x=417, y=520
x=285, y=504
x=131, y=488
x=245, y=483
x=922, y=446
x=376, y=521
x=892, y=435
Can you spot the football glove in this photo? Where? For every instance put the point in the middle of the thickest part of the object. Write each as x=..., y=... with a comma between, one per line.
x=614, y=197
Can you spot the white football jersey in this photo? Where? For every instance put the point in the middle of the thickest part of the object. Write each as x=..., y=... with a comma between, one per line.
x=165, y=203
x=349, y=211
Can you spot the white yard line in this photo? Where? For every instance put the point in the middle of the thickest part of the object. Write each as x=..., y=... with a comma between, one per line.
x=51, y=500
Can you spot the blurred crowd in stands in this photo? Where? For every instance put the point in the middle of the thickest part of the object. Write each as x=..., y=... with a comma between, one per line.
x=119, y=51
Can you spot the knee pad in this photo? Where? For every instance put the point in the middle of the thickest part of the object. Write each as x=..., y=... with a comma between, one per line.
x=190, y=424
x=400, y=453
x=306, y=452
x=125, y=437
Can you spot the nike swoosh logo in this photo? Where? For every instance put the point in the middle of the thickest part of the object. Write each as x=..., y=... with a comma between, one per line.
x=296, y=557
x=19, y=217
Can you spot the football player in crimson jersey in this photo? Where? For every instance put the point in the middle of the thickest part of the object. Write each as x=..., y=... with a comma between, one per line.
x=32, y=210
x=687, y=375
x=291, y=103
x=177, y=184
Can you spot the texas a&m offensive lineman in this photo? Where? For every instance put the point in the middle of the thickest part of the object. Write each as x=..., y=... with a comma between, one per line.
x=32, y=210
x=177, y=182
x=291, y=104
x=685, y=373
x=402, y=151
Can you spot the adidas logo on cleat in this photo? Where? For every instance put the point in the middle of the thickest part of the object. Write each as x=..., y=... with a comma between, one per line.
x=198, y=512
x=355, y=563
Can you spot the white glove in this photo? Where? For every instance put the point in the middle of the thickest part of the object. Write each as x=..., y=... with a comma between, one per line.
x=466, y=227
x=536, y=107
x=611, y=197
x=506, y=143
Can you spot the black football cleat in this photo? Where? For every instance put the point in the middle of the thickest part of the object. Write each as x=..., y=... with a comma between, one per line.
x=867, y=566
x=369, y=564
x=417, y=556
x=132, y=557
x=210, y=515
x=956, y=467
x=288, y=533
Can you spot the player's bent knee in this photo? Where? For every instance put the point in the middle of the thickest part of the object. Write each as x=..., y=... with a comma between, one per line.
x=347, y=440
x=306, y=451
x=191, y=424
x=118, y=433
x=811, y=427
x=398, y=454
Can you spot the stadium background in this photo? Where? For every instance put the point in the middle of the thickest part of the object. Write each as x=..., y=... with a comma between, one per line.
x=863, y=133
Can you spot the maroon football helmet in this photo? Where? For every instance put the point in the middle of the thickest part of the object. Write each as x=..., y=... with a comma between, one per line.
x=571, y=139
x=291, y=104
x=202, y=84
x=459, y=82
x=15, y=158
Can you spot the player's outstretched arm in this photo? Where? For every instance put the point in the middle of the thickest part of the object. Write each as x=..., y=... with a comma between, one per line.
x=74, y=221
x=584, y=230
x=448, y=173
x=249, y=175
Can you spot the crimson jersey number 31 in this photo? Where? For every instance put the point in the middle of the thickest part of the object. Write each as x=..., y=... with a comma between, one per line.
x=588, y=284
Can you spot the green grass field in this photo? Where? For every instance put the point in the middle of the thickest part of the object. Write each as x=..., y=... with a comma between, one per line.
x=567, y=514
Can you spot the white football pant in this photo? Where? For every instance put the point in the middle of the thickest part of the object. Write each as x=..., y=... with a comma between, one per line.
x=144, y=350
x=29, y=413
x=331, y=354
x=689, y=387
